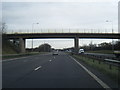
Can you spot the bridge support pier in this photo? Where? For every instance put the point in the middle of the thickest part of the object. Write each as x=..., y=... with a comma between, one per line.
x=22, y=45
x=76, y=44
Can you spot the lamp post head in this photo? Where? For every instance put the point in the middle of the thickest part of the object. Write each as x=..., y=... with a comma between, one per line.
x=35, y=23
x=107, y=21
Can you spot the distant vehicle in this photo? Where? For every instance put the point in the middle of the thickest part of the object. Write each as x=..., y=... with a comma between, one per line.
x=68, y=51
x=55, y=52
x=81, y=51
x=117, y=53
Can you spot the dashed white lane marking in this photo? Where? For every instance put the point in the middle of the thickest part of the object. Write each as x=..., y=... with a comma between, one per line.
x=93, y=76
x=37, y=68
x=50, y=60
x=54, y=57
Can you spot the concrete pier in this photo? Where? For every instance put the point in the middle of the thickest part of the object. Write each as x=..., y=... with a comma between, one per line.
x=76, y=44
x=22, y=45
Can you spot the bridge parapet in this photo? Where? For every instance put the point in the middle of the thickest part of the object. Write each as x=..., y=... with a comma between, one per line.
x=62, y=31
x=63, y=35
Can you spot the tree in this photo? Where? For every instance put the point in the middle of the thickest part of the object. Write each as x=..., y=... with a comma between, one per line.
x=105, y=46
x=117, y=45
x=44, y=48
x=3, y=28
x=92, y=46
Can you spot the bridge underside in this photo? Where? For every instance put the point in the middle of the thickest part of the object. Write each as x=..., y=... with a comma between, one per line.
x=22, y=45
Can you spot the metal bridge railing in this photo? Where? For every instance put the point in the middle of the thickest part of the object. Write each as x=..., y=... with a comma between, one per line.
x=110, y=61
x=60, y=31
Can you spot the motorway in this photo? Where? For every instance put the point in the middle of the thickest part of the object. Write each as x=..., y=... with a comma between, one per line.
x=47, y=71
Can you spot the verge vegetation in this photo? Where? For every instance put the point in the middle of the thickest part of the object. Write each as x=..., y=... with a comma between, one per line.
x=102, y=67
x=21, y=55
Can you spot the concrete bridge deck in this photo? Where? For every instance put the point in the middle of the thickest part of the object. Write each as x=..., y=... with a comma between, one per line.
x=75, y=36
x=63, y=35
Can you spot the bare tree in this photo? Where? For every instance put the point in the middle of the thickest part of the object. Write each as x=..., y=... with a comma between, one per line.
x=0, y=28
x=3, y=28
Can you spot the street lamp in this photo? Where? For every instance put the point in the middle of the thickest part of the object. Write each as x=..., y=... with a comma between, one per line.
x=111, y=23
x=33, y=27
x=33, y=32
x=112, y=33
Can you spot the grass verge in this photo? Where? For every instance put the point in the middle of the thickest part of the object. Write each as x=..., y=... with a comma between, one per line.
x=102, y=67
x=21, y=55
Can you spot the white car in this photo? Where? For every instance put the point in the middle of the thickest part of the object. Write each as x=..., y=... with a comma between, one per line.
x=81, y=51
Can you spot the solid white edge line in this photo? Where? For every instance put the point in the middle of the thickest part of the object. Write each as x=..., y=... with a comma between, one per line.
x=92, y=75
x=37, y=68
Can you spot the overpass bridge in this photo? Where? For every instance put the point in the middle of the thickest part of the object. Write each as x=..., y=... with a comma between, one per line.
x=23, y=36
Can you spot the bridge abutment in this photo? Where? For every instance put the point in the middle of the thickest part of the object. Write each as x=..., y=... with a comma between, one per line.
x=76, y=44
x=22, y=45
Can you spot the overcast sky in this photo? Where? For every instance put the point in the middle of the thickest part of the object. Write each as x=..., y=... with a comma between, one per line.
x=57, y=15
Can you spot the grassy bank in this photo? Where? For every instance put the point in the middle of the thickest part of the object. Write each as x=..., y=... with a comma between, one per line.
x=8, y=47
x=102, y=67
x=21, y=55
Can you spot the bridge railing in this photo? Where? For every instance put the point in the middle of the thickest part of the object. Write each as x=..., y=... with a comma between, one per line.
x=61, y=31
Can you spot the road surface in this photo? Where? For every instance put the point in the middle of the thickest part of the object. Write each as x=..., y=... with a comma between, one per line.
x=46, y=71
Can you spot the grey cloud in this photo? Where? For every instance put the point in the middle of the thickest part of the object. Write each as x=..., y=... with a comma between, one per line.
x=59, y=14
